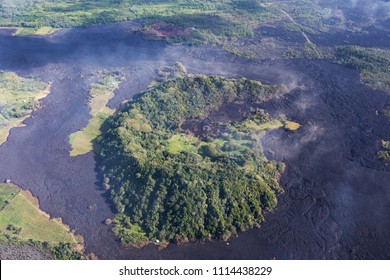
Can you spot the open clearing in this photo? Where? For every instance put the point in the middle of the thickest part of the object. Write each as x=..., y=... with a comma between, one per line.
x=101, y=92
x=18, y=98
x=21, y=217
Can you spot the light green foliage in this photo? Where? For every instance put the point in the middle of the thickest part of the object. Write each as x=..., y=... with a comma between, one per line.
x=260, y=121
x=211, y=19
x=45, y=30
x=130, y=234
x=182, y=142
x=22, y=222
x=176, y=186
x=18, y=95
x=21, y=218
x=7, y=193
x=18, y=98
x=102, y=90
x=292, y=126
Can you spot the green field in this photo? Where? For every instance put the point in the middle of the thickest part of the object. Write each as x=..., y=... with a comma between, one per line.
x=182, y=142
x=18, y=98
x=45, y=30
x=102, y=90
x=21, y=218
x=7, y=193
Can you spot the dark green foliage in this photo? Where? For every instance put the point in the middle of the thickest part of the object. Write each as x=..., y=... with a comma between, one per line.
x=169, y=185
x=373, y=64
x=14, y=229
x=129, y=234
x=64, y=251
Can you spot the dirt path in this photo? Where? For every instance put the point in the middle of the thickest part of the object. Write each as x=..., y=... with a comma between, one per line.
x=308, y=41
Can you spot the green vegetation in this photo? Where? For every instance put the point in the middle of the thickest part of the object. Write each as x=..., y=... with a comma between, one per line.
x=45, y=30
x=7, y=193
x=66, y=13
x=189, y=22
x=18, y=98
x=21, y=221
x=210, y=20
x=310, y=17
x=385, y=153
x=290, y=125
x=19, y=210
x=373, y=64
x=130, y=234
x=182, y=142
x=102, y=90
x=260, y=121
x=169, y=72
x=170, y=185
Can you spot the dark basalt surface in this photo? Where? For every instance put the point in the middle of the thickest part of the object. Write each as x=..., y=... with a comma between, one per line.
x=21, y=252
x=337, y=193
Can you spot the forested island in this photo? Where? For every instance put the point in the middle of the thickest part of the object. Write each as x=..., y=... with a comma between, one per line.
x=171, y=182
x=372, y=64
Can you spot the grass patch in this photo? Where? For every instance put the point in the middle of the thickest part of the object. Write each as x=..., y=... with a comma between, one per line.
x=18, y=98
x=102, y=90
x=261, y=121
x=45, y=30
x=273, y=124
x=292, y=126
x=182, y=142
x=21, y=218
x=7, y=193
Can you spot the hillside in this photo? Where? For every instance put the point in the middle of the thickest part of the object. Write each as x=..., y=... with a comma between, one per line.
x=169, y=183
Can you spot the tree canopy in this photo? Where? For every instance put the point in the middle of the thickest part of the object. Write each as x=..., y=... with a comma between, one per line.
x=169, y=184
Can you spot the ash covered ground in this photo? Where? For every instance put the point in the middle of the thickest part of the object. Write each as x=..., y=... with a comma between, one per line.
x=336, y=203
